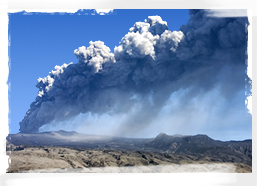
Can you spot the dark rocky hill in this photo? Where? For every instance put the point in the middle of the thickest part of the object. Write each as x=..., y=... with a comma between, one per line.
x=202, y=145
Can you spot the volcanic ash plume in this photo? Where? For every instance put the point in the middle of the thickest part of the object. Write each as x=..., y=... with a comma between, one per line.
x=150, y=66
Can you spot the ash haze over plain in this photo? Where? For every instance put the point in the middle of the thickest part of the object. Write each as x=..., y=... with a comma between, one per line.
x=188, y=81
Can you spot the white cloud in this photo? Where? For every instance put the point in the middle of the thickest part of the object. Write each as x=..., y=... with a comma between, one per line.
x=103, y=11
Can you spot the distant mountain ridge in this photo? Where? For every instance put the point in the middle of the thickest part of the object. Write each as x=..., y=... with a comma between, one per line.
x=198, y=145
x=177, y=144
x=203, y=145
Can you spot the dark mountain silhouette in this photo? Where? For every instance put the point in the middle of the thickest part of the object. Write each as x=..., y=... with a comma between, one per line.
x=202, y=145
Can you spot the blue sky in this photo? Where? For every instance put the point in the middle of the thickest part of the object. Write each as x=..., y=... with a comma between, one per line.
x=40, y=41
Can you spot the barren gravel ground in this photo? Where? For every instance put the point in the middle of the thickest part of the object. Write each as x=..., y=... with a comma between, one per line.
x=61, y=159
x=175, y=168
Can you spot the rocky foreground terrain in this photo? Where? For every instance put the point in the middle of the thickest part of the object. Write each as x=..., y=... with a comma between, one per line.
x=73, y=152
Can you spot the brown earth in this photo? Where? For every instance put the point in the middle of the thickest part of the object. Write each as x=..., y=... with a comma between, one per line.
x=27, y=158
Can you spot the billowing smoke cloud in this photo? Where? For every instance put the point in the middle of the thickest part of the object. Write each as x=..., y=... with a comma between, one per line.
x=154, y=79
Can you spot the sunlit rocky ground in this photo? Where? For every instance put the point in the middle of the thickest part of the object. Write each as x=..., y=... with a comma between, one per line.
x=60, y=159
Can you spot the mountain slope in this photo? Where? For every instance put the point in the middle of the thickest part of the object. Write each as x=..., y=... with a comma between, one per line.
x=202, y=145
